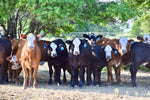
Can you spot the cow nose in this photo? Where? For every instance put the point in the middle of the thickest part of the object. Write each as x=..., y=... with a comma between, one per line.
x=54, y=55
x=124, y=51
x=30, y=48
x=108, y=58
x=93, y=43
x=76, y=53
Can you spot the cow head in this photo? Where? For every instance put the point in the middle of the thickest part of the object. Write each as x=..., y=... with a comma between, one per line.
x=123, y=45
x=54, y=49
x=75, y=45
x=30, y=40
x=145, y=38
x=14, y=61
x=92, y=38
x=109, y=52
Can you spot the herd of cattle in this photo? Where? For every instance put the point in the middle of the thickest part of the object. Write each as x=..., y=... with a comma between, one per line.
x=91, y=54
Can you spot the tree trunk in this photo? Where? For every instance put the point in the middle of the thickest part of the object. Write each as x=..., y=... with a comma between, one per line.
x=11, y=28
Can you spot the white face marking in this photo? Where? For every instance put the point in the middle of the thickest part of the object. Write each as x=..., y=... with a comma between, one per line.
x=146, y=38
x=53, y=46
x=123, y=42
x=76, y=42
x=108, y=50
x=15, y=64
x=30, y=39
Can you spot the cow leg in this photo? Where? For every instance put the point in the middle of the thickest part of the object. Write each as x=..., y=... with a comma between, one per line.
x=35, y=77
x=109, y=75
x=81, y=76
x=64, y=70
x=30, y=77
x=57, y=73
x=88, y=76
x=133, y=72
x=76, y=77
x=117, y=73
x=25, y=74
x=50, y=73
x=72, y=78
x=5, y=69
x=17, y=76
x=99, y=76
x=9, y=72
x=94, y=75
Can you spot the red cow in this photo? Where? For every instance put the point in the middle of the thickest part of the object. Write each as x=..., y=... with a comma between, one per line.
x=30, y=58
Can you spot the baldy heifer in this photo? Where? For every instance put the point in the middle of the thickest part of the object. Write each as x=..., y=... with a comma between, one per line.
x=30, y=58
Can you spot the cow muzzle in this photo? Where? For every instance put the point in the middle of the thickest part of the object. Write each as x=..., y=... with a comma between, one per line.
x=108, y=58
x=53, y=55
x=31, y=48
x=124, y=51
x=76, y=53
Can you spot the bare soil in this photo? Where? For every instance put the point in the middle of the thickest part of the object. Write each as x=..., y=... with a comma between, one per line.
x=64, y=92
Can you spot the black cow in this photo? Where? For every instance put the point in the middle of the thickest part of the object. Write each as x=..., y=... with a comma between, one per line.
x=140, y=54
x=57, y=57
x=5, y=50
x=92, y=38
x=81, y=54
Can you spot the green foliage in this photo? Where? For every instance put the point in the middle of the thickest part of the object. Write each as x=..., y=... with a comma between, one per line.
x=68, y=15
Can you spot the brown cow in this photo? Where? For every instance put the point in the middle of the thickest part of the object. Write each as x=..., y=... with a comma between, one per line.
x=15, y=64
x=30, y=58
x=14, y=68
x=116, y=61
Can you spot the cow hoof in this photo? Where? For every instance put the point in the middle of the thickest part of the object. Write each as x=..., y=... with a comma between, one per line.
x=81, y=87
x=135, y=86
x=108, y=84
x=121, y=84
x=24, y=87
x=72, y=87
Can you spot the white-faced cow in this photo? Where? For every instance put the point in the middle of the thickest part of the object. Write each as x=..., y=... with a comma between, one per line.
x=57, y=57
x=144, y=39
x=30, y=58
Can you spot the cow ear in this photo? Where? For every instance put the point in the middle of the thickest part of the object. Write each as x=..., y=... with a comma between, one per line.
x=8, y=58
x=140, y=38
x=23, y=36
x=45, y=46
x=68, y=42
x=115, y=51
x=85, y=36
x=98, y=37
x=38, y=37
x=61, y=46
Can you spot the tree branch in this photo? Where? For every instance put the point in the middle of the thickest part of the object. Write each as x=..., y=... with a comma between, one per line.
x=3, y=27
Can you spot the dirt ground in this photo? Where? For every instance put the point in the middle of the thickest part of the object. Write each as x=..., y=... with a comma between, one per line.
x=64, y=92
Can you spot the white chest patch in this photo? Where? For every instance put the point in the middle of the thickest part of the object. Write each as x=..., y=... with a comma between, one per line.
x=76, y=42
x=108, y=50
x=31, y=39
x=145, y=63
x=117, y=64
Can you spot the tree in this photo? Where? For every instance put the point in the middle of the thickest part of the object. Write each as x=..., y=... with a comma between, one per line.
x=59, y=16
